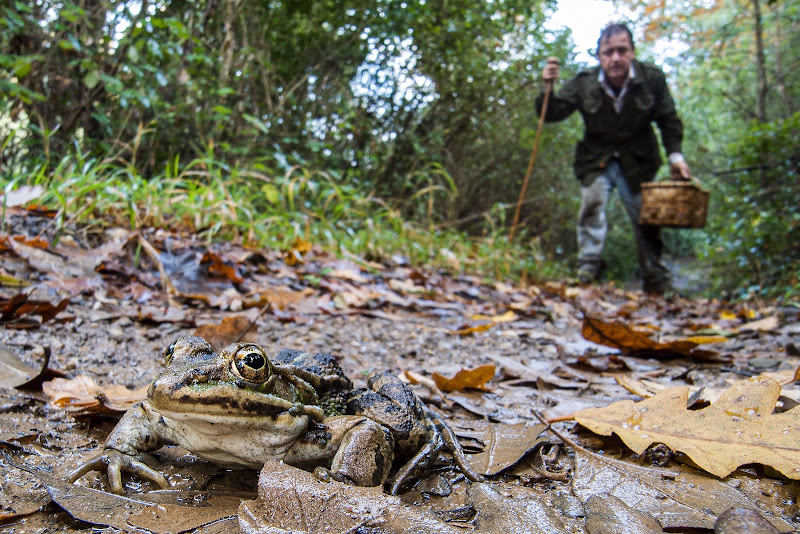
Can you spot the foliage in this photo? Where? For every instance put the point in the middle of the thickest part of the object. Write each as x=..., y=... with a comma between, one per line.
x=218, y=201
x=740, y=98
x=758, y=241
x=383, y=121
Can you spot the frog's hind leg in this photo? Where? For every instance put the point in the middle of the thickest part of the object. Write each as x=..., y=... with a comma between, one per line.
x=439, y=434
x=422, y=460
x=452, y=444
x=365, y=451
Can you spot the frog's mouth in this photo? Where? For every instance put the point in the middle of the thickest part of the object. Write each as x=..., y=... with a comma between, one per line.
x=211, y=400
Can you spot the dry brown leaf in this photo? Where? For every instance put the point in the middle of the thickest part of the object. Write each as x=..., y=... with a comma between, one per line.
x=36, y=242
x=620, y=336
x=14, y=312
x=231, y=330
x=217, y=266
x=767, y=324
x=738, y=429
x=295, y=255
x=507, y=317
x=467, y=330
x=82, y=396
x=465, y=378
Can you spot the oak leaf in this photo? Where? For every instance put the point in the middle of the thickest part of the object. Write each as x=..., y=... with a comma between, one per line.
x=738, y=429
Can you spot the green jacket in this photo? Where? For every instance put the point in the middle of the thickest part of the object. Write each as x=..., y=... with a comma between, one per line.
x=628, y=135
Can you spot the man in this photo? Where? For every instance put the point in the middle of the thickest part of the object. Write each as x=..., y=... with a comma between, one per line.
x=619, y=100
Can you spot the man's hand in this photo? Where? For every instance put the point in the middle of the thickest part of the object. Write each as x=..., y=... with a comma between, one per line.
x=679, y=170
x=551, y=71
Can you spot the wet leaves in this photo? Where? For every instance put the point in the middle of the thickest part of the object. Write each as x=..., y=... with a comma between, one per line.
x=292, y=500
x=502, y=445
x=16, y=372
x=678, y=498
x=738, y=429
x=163, y=514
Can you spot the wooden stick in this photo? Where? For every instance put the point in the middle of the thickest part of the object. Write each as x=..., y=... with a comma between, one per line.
x=548, y=87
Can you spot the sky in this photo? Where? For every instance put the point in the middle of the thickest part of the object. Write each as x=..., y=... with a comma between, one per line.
x=585, y=18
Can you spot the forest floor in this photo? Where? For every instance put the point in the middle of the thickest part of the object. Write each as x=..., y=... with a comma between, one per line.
x=104, y=305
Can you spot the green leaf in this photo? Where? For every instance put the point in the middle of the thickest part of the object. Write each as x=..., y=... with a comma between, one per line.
x=271, y=193
x=91, y=79
x=22, y=68
x=161, y=79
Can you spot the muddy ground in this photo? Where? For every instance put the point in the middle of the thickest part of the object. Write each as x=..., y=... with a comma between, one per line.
x=542, y=364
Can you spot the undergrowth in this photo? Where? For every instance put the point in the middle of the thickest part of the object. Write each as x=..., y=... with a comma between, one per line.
x=260, y=207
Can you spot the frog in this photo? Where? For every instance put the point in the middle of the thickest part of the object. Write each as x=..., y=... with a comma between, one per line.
x=240, y=408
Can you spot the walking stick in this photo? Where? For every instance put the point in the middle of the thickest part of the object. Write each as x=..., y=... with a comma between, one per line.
x=548, y=87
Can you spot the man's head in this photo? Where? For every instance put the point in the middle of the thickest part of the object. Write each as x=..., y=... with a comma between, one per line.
x=615, y=51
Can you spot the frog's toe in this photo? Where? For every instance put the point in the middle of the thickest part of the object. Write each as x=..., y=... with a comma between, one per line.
x=114, y=463
x=95, y=464
x=323, y=474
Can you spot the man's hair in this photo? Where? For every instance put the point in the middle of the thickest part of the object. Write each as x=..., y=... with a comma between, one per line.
x=614, y=29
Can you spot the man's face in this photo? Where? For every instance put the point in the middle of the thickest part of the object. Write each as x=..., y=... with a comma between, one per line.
x=616, y=54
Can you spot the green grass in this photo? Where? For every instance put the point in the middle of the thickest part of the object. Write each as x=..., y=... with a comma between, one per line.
x=274, y=209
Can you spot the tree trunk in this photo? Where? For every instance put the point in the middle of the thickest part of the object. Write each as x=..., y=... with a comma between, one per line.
x=761, y=67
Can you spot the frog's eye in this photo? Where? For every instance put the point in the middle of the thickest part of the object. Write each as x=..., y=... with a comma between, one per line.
x=168, y=353
x=251, y=363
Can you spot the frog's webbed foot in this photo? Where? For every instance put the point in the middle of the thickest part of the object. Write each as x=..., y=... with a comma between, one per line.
x=114, y=462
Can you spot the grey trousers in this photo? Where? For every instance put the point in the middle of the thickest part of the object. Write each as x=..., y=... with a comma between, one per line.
x=593, y=226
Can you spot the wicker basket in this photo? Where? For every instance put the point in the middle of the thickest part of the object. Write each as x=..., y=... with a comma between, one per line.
x=676, y=204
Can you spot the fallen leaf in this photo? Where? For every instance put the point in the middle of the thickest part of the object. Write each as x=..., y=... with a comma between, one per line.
x=14, y=311
x=503, y=445
x=218, y=267
x=295, y=255
x=497, y=512
x=231, y=330
x=292, y=500
x=467, y=330
x=465, y=378
x=82, y=396
x=620, y=336
x=677, y=498
x=21, y=196
x=606, y=513
x=507, y=317
x=10, y=281
x=37, y=242
x=14, y=372
x=767, y=324
x=738, y=429
x=143, y=512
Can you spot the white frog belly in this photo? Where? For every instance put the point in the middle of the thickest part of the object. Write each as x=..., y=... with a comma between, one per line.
x=231, y=441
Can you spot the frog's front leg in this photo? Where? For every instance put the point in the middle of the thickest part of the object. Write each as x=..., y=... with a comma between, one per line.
x=360, y=450
x=133, y=435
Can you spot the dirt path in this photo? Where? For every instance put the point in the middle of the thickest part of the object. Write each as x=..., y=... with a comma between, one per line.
x=370, y=317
